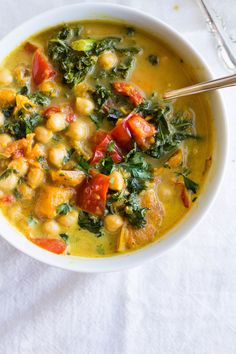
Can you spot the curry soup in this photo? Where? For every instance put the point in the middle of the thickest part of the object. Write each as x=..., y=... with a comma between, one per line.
x=93, y=162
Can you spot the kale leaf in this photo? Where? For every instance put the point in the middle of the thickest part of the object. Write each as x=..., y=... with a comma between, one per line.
x=105, y=44
x=172, y=129
x=23, y=125
x=73, y=65
x=39, y=98
x=64, y=209
x=153, y=59
x=64, y=237
x=8, y=111
x=189, y=183
x=83, y=165
x=135, y=215
x=100, y=95
x=105, y=165
x=91, y=223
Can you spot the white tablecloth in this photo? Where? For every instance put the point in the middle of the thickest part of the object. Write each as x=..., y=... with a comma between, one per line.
x=183, y=302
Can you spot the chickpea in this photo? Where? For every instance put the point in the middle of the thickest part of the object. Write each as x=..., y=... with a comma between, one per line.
x=9, y=183
x=6, y=77
x=78, y=130
x=113, y=223
x=2, y=119
x=51, y=228
x=116, y=182
x=56, y=122
x=108, y=60
x=81, y=89
x=43, y=135
x=56, y=155
x=84, y=106
x=5, y=139
x=35, y=177
x=49, y=88
x=69, y=219
x=26, y=191
x=20, y=165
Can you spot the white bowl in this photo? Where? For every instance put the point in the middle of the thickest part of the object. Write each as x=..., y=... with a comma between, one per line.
x=190, y=55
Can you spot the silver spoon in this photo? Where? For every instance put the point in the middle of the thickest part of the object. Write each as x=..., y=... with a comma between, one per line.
x=226, y=81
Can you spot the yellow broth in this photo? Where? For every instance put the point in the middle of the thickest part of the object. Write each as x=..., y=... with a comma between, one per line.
x=170, y=72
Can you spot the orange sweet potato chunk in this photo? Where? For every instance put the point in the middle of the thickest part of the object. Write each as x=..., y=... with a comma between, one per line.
x=67, y=178
x=49, y=198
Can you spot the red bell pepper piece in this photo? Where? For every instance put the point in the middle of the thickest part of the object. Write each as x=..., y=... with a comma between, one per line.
x=141, y=130
x=51, y=245
x=30, y=47
x=41, y=70
x=7, y=199
x=129, y=90
x=122, y=136
x=91, y=194
x=51, y=109
x=102, y=140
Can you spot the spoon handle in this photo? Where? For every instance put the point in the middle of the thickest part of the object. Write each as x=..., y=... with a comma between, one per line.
x=226, y=81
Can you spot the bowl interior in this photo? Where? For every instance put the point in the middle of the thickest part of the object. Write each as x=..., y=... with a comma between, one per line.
x=190, y=56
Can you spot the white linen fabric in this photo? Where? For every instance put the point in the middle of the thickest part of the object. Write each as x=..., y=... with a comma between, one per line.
x=183, y=302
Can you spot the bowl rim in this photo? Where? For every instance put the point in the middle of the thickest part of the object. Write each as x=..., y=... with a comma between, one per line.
x=153, y=250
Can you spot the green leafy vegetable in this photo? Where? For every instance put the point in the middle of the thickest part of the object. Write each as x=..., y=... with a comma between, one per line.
x=136, y=164
x=5, y=174
x=91, y=223
x=83, y=45
x=17, y=194
x=43, y=161
x=64, y=209
x=130, y=31
x=97, y=118
x=123, y=69
x=172, y=129
x=8, y=111
x=100, y=95
x=153, y=59
x=113, y=114
x=111, y=146
x=64, y=237
x=83, y=165
x=39, y=98
x=129, y=51
x=136, y=185
x=106, y=43
x=73, y=65
x=23, y=124
x=134, y=213
x=100, y=249
x=31, y=220
x=105, y=165
x=189, y=183
x=140, y=171
x=68, y=155
x=24, y=90
x=66, y=32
